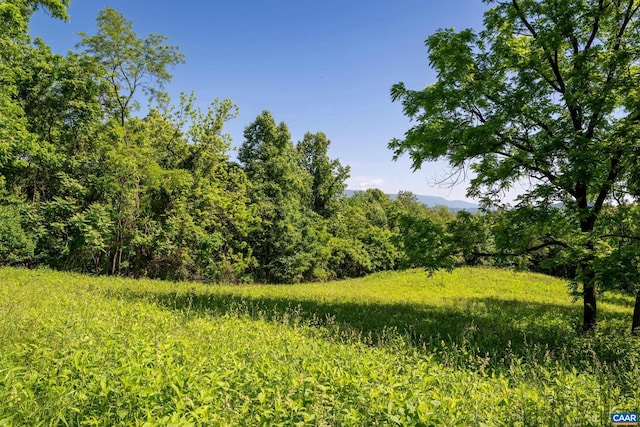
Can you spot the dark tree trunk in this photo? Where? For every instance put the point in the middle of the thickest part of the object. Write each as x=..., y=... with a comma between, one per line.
x=589, y=298
x=589, y=319
x=588, y=278
x=635, y=323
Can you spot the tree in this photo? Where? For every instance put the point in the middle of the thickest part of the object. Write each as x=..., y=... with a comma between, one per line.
x=328, y=176
x=58, y=97
x=365, y=235
x=130, y=63
x=546, y=94
x=14, y=23
x=277, y=183
x=15, y=49
x=194, y=205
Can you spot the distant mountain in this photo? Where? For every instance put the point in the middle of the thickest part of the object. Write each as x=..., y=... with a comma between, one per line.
x=457, y=205
x=453, y=205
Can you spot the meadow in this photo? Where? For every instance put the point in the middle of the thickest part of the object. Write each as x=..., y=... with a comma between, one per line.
x=474, y=347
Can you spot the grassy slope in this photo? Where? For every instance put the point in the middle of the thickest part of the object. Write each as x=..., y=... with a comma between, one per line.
x=471, y=347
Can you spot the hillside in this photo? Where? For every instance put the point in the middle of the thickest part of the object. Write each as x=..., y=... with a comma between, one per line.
x=472, y=347
x=431, y=201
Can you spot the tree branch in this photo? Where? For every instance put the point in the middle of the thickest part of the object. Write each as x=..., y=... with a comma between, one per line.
x=552, y=62
x=547, y=244
x=614, y=171
x=552, y=242
x=610, y=74
x=596, y=26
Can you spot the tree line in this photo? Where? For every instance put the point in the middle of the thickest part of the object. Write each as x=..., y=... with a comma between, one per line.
x=88, y=183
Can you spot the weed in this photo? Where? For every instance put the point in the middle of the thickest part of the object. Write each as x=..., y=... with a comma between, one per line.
x=472, y=347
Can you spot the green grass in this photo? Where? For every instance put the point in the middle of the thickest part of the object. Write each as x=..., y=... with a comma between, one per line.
x=473, y=347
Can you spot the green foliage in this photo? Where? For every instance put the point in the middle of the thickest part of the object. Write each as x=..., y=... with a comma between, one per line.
x=425, y=244
x=130, y=64
x=545, y=94
x=17, y=244
x=618, y=256
x=118, y=194
x=389, y=349
x=61, y=108
x=365, y=231
x=104, y=191
x=436, y=239
x=91, y=230
x=14, y=21
x=15, y=51
x=327, y=176
x=287, y=243
x=109, y=192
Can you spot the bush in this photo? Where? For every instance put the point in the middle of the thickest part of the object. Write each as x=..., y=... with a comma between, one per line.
x=16, y=244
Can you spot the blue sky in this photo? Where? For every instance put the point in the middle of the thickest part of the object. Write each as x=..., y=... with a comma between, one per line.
x=316, y=65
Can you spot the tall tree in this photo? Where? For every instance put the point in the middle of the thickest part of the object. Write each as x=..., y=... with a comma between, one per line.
x=277, y=183
x=327, y=176
x=192, y=211
x=22, y=150
x=131, y=64
x=14, y=22
x=59, y=98
x=15, y=49
x=546, y=94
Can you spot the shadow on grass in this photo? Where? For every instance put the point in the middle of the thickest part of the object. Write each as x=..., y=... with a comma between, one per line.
x=617, y=299
x=503, y=330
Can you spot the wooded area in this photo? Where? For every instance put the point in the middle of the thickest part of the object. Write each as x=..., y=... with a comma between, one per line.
x=101, y=172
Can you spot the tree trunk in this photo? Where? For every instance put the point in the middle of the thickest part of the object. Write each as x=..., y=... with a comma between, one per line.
x=589, y=298
x=635, y=324
x=589, y=320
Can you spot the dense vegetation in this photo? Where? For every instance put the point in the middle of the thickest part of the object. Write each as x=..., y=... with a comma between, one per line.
x=474, y=347
x=102, y=173
x=92, y=182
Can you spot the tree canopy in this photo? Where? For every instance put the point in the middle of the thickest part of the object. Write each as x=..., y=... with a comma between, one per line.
x=545, y=95
x=131, y=64
x=88, y=182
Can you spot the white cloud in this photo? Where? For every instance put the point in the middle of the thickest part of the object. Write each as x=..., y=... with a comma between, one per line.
x=364, y=183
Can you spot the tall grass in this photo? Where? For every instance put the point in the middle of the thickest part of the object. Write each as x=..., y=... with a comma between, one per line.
x=472, y=347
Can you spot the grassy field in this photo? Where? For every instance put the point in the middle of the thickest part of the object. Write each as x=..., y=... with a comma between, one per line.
x=473, y=347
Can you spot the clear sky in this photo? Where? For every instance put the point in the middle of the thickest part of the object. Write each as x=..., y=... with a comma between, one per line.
x=317, y=65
